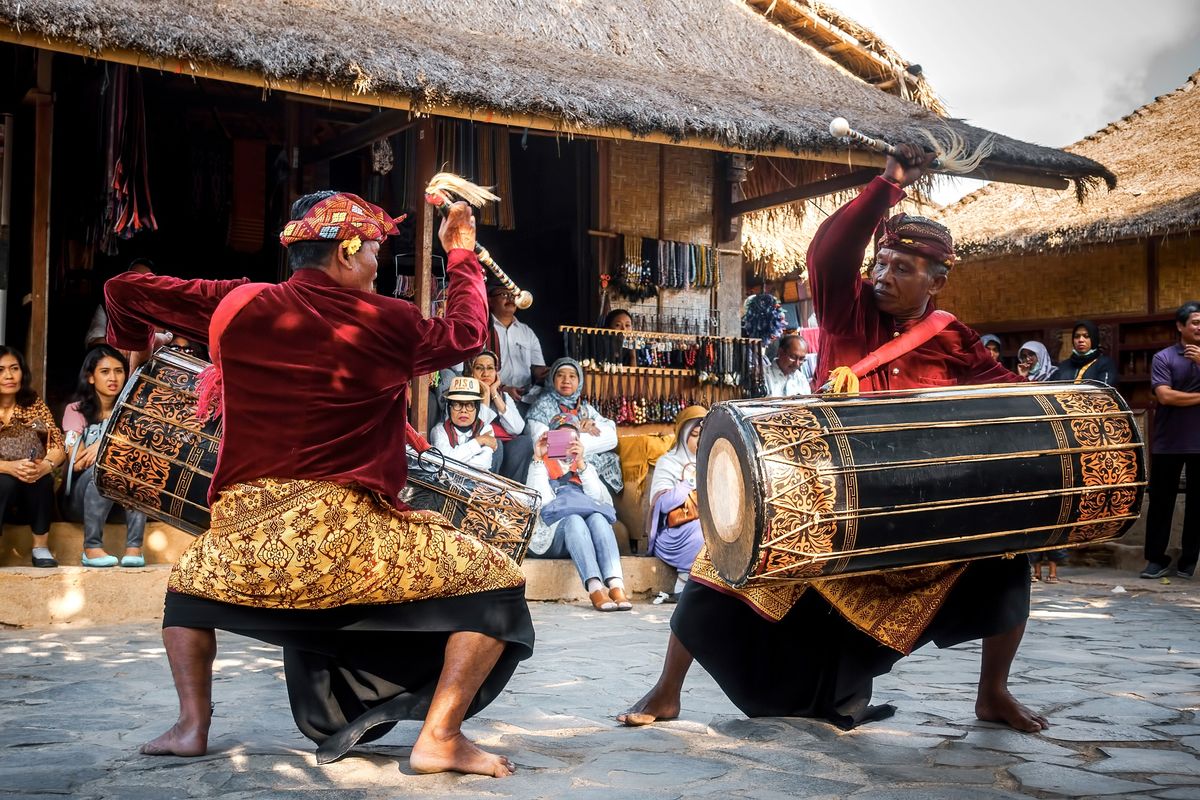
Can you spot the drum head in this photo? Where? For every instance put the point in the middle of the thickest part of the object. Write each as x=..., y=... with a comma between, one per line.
x=728, y=501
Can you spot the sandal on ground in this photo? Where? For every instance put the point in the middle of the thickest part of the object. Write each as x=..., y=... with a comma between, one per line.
x=1052, y=579
x=601, y=602
x=620, y=598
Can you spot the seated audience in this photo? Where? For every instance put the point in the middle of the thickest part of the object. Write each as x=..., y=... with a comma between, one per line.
x=1034, y=362
x=503, y=414
x=576, y=518
x=31, y=446
x=675, y=535
x=564, y=395
x=522, y=365
x=785, y=374
x=992, y=342
x=463, y=434
x=1086, y=363
x=101, y=379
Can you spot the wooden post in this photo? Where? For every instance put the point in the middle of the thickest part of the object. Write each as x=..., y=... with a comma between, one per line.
x=43, y=139
x=426, y=166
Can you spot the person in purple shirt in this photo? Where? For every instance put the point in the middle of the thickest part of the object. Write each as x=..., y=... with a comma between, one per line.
x=1174, y=445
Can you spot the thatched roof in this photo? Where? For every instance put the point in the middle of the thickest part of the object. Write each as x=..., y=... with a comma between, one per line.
x=708, y=73
x=1153, y=150
x=854, y=46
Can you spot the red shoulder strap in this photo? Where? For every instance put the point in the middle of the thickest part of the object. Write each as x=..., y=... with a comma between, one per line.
x=905, y=343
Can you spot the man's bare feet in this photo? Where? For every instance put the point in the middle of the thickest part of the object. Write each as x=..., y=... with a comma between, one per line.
x=178, y=742
x=456, y=753
x=656, y=705
x=1003, y=707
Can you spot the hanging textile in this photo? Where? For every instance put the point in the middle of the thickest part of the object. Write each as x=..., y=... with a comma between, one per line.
x=127, y=208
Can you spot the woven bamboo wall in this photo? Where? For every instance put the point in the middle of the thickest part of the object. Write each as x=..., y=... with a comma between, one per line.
x=1178, y=272
x=1097, y=281
x=687, y=212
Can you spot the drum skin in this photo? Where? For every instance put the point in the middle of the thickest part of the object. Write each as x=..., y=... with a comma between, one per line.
x=155, y=455
x=810, y=487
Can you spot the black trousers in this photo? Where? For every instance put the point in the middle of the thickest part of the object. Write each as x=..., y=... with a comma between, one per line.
x=38, y=499
x=1165, y=469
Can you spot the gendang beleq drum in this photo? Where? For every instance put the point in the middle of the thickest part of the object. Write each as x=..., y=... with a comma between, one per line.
x=155, y=456
x=821, y=486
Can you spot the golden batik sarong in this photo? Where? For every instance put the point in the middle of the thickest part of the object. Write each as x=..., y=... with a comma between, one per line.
x=893, y=608
x=304, y=544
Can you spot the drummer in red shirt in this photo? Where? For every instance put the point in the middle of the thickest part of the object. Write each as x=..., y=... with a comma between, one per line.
x=383, y=613
x=802, y=649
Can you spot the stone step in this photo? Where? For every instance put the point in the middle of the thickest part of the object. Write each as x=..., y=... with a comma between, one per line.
x=77, y=596
x=162, y=544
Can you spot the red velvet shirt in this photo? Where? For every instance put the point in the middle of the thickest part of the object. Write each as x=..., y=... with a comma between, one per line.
x=315, y=374
x=852, y=325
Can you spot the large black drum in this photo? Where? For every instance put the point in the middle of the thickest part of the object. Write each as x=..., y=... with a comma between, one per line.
x=811, y=487
x=155, y=455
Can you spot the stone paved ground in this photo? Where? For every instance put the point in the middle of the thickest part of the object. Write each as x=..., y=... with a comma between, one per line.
x=1118, y=673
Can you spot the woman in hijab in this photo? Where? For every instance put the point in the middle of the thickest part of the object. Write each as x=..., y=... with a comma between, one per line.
x=1086, y=363
x=992, y=342
x=563, y=395
x=1033, y=361
x=675, y=535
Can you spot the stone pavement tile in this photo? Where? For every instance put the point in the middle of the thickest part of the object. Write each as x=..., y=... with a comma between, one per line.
x=1072, y=782
x=55, y=778
x=926, y=792
x=1072, y=731
x=1004, y=740
x=881, y=735
x=1119, y=709
x=1192, y=742
x=630, y=770
x=1131, y=759
x=1181, y=793
x=773, y=783
x=957, y=754
x=1184, y=701
x=937, y=774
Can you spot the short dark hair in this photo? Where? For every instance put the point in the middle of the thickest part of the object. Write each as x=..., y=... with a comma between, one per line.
x=1186, y=310
x=26, y=396
x=314, y=254
x=140, y=262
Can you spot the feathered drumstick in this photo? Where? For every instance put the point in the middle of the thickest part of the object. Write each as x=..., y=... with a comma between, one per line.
x=442, y=190
x=952, y=153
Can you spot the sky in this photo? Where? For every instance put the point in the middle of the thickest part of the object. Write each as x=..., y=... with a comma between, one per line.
x=1048, y=72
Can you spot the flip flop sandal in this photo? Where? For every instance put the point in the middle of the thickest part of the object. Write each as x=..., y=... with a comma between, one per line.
x=601, y=601
x=619, y=597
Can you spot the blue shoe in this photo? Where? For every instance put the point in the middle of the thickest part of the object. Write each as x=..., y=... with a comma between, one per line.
x=133, y=561
x=102, y=561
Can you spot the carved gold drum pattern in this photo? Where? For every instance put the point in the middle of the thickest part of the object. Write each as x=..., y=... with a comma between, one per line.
x=485, y=505
x=810, y=487
x=155, y=455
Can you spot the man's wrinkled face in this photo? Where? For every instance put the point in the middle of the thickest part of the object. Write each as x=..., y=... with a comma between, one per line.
x=903, y=283
x=791, y=356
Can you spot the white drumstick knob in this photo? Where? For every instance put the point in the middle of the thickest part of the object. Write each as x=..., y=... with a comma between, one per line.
x=523, y=299
x=839, y=128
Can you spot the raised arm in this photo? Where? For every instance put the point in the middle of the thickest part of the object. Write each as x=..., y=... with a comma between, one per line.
x=137, y=304
x=835, y=256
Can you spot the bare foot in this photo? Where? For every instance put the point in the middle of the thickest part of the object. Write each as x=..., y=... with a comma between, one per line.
x=456, y=753
x=1004, y=708
x=658, y=704
x=178, y=742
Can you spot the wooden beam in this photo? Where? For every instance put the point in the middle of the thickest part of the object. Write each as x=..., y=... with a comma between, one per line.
x=43, y=149
x=1019, y=176
x=426, y=166
x=380, y=126
x=838, y=183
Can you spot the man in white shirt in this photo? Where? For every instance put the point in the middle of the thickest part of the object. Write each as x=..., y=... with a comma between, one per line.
x=786, y=376
x=522, y=365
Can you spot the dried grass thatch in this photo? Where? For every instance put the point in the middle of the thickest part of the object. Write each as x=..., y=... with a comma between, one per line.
x=1153, y=150
x=852, y=45
x=704, y=71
